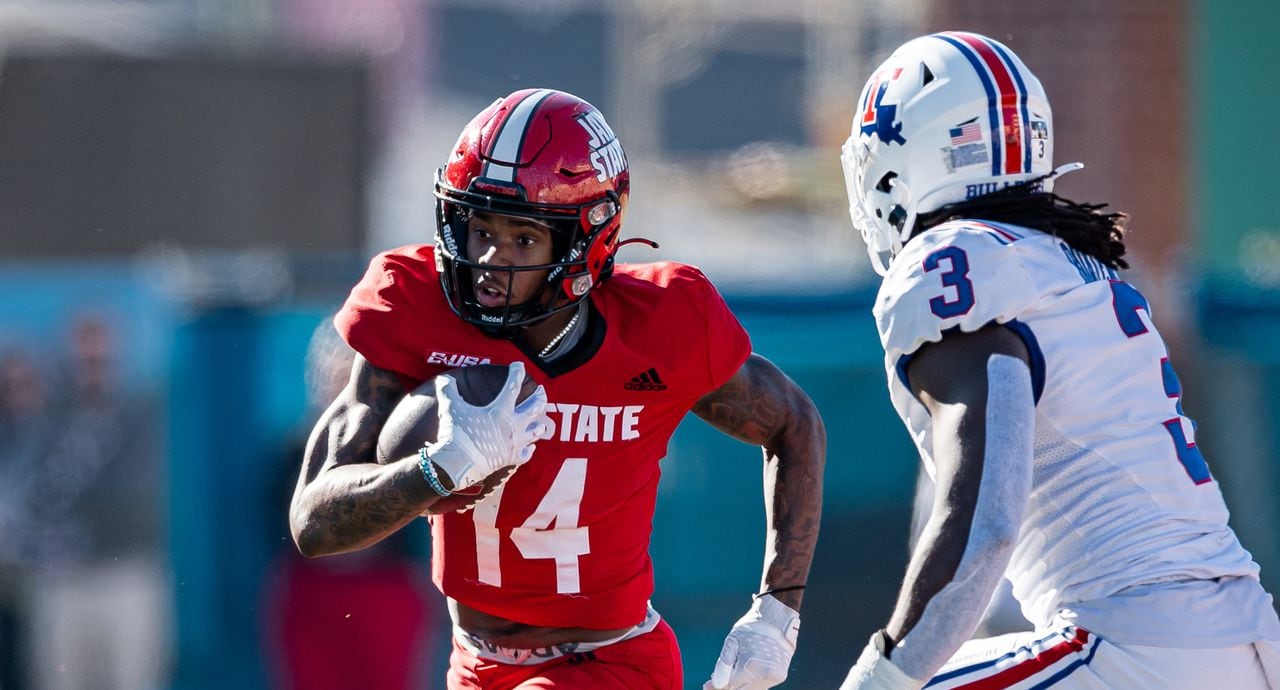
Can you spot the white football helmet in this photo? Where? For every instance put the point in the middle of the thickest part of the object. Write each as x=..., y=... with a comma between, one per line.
x=948, y=117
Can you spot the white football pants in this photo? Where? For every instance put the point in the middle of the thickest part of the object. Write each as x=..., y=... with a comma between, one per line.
x=1071, y=658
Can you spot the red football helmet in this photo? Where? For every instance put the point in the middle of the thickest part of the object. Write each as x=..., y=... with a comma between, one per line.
x=544, y=155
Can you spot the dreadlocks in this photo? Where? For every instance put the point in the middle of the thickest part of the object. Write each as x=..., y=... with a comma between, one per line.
x=1082, y=226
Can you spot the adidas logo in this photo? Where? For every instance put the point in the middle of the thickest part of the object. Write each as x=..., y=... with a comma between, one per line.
x=646, y=381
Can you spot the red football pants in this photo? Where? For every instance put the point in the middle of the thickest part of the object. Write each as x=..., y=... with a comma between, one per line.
x=650, y=661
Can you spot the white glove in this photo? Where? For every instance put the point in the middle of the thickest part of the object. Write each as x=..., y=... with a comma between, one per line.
x=474, y=442
x=758, y=650
x=874, y=671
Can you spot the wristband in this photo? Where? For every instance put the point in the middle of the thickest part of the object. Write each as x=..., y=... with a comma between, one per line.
x=429, y=472
x=775, y=590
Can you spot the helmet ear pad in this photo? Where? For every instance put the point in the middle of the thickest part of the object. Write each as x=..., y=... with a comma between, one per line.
x=600, y=246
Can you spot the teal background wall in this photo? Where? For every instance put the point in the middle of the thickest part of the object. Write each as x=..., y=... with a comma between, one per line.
x=1234, y=154
x=1233, y=266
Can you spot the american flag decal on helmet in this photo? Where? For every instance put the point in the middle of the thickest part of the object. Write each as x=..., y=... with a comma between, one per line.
x=966, y=133
x=1006, y=101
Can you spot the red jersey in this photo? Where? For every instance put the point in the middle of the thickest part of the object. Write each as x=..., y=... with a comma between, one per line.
x=565, y=542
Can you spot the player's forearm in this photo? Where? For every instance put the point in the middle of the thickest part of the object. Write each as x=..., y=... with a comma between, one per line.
x=344, y=500
x=354, y=506
x=793, y=503
x=940, y=606
x=946, y=590
x=946, y=542
x=947, y=535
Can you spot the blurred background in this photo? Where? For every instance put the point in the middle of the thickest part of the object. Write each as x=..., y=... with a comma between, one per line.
x=188, y=188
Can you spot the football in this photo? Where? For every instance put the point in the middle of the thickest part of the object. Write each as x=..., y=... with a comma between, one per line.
x=415, y=420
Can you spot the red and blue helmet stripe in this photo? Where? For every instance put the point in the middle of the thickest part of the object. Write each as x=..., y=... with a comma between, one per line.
x=1006, y=100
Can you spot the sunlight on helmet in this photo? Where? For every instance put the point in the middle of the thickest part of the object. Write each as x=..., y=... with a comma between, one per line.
x=601, y=212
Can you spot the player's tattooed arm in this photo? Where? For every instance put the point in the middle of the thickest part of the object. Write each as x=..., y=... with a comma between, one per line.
x=344, y=500
x=762, y=406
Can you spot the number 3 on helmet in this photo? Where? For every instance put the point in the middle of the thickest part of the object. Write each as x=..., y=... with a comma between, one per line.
x=543, y=155
x=948, y=117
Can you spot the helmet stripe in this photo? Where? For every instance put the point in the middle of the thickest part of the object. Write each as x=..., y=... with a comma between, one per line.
x=1025, y=122
x=993, y=115
x=1006, y=100
x=505, y=151
x=1009, y=101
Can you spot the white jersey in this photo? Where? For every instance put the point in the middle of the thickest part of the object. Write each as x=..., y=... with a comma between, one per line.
x=1125, y=530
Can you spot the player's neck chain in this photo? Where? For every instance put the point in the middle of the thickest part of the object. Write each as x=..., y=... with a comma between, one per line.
x=561, y=338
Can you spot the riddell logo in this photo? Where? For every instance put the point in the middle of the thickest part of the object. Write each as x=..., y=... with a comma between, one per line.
x=647, y=381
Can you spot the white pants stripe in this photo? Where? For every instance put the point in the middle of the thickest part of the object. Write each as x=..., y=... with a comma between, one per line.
x=1039, y=663
x=1072, y=658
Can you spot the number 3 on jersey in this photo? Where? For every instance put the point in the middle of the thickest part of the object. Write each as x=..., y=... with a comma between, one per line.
x=1127, y=301
x=536, y=538
x=956, y=276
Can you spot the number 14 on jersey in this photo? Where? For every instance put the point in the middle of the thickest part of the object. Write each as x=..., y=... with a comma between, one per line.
x=537, y=538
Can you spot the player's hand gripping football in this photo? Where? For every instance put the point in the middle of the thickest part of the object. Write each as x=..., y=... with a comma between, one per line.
x=758, y=650
x=473, y=442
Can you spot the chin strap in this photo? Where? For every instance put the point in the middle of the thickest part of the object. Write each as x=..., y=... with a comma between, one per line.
x=1066, y=168
x=638, y=240
x=1047, y=183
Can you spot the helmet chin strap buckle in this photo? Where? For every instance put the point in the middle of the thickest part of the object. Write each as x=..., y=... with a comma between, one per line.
x=897, y=217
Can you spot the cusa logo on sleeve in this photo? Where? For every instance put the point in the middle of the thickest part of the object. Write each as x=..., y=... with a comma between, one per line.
x=450, y=359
